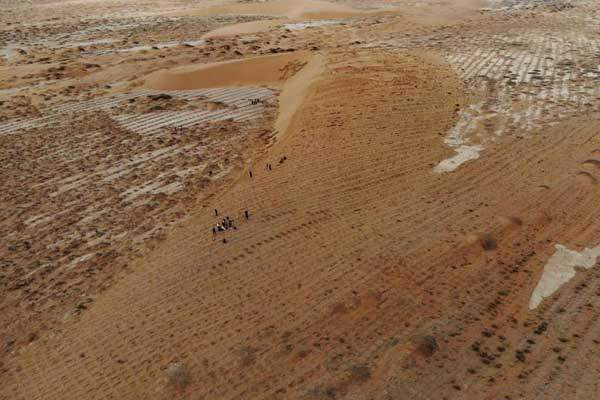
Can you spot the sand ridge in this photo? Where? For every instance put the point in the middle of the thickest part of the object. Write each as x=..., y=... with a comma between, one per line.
x=293, y=9
x=263, y=70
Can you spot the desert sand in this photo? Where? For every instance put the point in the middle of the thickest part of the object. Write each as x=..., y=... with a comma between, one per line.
x=412, y=188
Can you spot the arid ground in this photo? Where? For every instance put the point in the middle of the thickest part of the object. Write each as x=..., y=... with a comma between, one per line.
x=413, y=188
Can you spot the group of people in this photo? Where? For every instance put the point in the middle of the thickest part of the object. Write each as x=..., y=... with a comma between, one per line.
x=226, y=223
x=269, y=167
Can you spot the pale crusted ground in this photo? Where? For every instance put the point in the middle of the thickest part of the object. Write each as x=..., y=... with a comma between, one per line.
x=365, y=271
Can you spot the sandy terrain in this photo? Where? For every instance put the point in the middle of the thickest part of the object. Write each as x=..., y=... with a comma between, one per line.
x=420, y=180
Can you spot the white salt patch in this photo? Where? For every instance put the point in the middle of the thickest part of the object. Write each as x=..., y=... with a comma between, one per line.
x=456, y=139
x=39, y=219
x=79, y=260
x=463, y=154
x=147, y=47
x=312, y=24
x=559, y=269
x=89, y=42
x=194, y=42
x=6, y=53
x=9, y=91
x=37, y=270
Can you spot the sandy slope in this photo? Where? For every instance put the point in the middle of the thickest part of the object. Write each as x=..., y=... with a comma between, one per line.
x=286, y=11
x=294, y=9
x=304, y=217
x=354, y=255
x=251, y=71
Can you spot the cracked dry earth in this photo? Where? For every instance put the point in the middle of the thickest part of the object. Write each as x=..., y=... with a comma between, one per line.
x=433, y=166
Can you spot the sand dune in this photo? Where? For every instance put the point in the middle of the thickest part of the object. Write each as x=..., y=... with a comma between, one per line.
x=273, y=69
x=292, y=72
x=245, y=28
x=292, y=10
x=308, y=9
